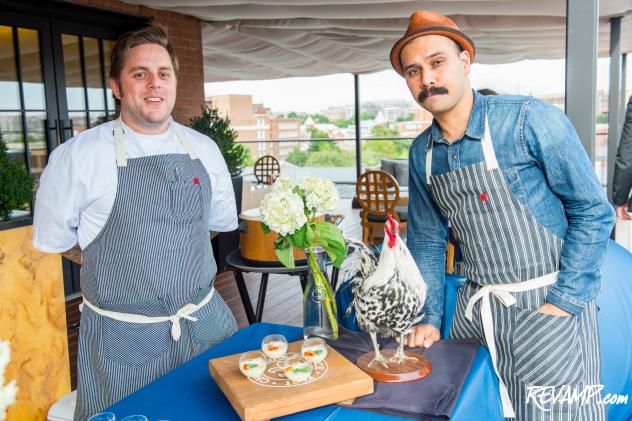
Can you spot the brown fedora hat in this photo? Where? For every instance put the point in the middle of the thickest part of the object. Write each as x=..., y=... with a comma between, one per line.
x=424, y=22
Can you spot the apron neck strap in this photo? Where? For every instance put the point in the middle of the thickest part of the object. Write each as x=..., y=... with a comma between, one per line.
x=121, y=151
x=488, y=152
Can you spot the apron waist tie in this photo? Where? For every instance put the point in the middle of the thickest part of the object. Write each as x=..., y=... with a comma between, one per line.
x=502, y=292
x=184, y=313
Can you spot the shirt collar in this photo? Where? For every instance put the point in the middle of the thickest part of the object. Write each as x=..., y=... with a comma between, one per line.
x=475, y=127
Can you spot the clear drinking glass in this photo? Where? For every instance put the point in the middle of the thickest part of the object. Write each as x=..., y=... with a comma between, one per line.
x=135, y=418
x=252, y=364
x=274, y=346
x=297, y=369
x=314, y=350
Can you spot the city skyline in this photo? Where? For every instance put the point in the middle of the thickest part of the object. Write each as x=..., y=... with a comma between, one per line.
x=315, y=94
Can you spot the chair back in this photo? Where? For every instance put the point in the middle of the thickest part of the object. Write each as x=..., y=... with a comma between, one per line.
x=378, y=193
x=267, y=169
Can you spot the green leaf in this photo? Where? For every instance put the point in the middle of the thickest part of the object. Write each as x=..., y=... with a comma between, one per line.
x=283, y=250
x=298, y=238
x=330, y=237
x=266, y=229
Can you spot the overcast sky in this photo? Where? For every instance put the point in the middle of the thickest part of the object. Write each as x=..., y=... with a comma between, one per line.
x=530, y=77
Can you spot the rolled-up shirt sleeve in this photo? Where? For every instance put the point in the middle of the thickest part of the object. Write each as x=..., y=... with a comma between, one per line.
x=57, y=207
x=426, y=235
x=551, y=140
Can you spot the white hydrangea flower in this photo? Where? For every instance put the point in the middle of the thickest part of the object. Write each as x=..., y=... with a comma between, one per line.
x=283, y=212
x=284, y=183
x=321, y=194
x=9, y=391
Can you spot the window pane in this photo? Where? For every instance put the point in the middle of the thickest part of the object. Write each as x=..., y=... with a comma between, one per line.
x=78, y=120
x=31, y=69
x=107, y=50
x=37, y=141
x=11, y=129
x=92, y=59
x=9, y=89
x=72, y=70
x=97, y=118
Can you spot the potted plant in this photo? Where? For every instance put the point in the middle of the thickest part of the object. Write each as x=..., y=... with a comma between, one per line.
x=211, y=124
x=218, y=129
x=16, y=185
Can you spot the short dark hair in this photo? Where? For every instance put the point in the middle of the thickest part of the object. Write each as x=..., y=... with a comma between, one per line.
x=152, y=34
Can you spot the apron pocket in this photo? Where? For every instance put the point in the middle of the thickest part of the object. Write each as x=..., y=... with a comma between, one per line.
x=186, y=201
x=215, y=321
x=136, y=344
x=546, y=349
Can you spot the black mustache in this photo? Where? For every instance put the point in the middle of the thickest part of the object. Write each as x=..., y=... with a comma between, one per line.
x=435, y=90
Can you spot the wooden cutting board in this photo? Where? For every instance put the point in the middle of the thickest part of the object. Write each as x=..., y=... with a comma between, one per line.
x=336, y=381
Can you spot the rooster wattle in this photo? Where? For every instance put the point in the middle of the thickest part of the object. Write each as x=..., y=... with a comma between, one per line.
x=389, y=293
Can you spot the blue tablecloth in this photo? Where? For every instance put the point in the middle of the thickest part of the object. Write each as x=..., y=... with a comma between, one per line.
x=189, y=392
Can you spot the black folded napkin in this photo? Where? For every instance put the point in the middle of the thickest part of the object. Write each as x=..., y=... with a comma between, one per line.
x=433, y=396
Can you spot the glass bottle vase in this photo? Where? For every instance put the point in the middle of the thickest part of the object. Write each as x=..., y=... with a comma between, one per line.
x=320, y=316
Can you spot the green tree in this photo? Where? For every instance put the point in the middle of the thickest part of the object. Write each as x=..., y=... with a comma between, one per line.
x=331, y=158
x=366, y=116
x=382, y=130
x=408, y=117
x=16, y=185
x=314, y=133
x=319, y=118
x=218, y=129
x=342, y=123
x=297, y=157
x=602, y=118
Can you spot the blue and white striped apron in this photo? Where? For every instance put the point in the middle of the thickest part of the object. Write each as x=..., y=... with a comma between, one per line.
x=147, y=279
x=511, y=261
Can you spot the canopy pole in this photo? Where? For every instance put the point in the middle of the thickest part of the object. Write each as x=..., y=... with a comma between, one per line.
x=614, y=98
x=582, y=26
x=358, y=146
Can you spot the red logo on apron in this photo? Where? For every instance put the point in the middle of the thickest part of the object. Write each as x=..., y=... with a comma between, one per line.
x=483, y=197
x=196, y=180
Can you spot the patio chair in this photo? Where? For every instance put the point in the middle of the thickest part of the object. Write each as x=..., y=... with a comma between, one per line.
x=378, y=194
x=267, y=170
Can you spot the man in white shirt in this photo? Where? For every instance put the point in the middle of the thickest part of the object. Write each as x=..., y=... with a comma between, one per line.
x=135, y=198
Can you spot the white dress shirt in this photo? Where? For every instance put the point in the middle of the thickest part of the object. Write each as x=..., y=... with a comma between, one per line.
x=78, y=186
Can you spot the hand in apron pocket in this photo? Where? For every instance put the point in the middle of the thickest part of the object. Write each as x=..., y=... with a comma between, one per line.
x=546, y=348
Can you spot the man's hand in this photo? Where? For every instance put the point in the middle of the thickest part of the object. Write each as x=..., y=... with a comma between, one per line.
x=622, y=212
x=554, y=310
x=423, y=336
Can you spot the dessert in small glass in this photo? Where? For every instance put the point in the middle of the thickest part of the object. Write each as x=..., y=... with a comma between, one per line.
x=314, y=350
x=252, y=364
x=297, y=369
x=274, y=346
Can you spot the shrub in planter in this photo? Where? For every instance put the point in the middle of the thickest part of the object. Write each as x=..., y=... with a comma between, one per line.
x=218, y=129
x=16, y=185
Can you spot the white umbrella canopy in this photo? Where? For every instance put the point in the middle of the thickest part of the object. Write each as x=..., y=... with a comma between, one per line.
x=270, y=39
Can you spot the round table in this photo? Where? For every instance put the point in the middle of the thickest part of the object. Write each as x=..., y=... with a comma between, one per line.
x=237, y=264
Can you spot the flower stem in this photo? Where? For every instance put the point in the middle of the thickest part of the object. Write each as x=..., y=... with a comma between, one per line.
x=321, y=283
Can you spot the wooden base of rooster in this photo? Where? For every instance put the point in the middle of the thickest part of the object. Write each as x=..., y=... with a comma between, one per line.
x=414, y=367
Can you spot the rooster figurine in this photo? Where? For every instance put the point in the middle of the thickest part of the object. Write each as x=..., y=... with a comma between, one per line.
x=388, y=294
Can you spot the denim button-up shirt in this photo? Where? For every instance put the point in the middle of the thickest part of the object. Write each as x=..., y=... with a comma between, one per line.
x=545, y=167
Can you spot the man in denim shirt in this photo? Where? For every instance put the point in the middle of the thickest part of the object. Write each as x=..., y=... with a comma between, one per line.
x=511, y=177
